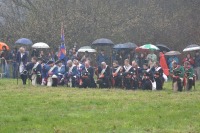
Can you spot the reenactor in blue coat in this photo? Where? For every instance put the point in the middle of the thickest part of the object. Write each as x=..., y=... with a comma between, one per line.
x=45, y=69
x=61, y=71
x=71, y=74
x=52, y=79
x=36, y=69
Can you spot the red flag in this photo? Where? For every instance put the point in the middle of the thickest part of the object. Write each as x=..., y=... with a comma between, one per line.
x=163, y=64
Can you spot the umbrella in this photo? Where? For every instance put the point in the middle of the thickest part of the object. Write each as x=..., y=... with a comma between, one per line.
x=24, y=41
x=2, y=45
x=192, y=47
x=40, y=45
x=149, y=47
x=128, y=45
x=102, y=42
x=163, y=47
x=173, y=53
x=140, y=50
x=87, y=48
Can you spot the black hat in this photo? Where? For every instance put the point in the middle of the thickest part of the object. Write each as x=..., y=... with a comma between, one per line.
x=50, y=62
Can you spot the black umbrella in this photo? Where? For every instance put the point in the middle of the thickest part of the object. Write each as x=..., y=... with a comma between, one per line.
x=163, y=47
x=128, y=45
x=102, y=42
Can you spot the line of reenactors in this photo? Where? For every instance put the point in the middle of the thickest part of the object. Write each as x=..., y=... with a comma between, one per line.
x=130, y=76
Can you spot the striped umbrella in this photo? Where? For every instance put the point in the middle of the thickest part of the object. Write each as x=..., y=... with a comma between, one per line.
x=149, y=47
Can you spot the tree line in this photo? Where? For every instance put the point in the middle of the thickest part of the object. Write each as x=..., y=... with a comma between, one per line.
x=171, y=22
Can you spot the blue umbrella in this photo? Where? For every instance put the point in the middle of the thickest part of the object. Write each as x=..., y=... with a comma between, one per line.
x=24, y=41
x=102, y=42
x=128, y=45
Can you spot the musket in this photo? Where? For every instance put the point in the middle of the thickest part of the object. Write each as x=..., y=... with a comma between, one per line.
x=17, y=73
x=194, y=79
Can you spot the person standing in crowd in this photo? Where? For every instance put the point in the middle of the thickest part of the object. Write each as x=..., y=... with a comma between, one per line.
x=35, y=53
x=141, y=60
x=197, y=64
x=5, y=57
x=22, y=58
x=51, y=56
x=56, y=56
x=86, y=56
x=170, y=61
x=131, y=55
x=152, y=58
x=101, y=58
x=118, y=57
x=189, y=59
x=41, y=55
x=74, y=56
x=114, y=53
x=13, y=57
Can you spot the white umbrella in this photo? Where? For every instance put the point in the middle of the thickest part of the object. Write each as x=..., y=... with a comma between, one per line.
x=192, y=47
x=171, y=53
x=87, y=48
x=40, y=45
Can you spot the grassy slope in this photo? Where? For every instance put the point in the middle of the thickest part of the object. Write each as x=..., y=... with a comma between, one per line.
x=41, y=109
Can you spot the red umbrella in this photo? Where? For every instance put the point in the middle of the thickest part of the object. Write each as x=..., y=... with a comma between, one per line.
x=141, y=50
x=3, y=45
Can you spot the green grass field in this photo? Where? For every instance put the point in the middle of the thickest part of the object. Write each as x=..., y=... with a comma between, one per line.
x=48, y=110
